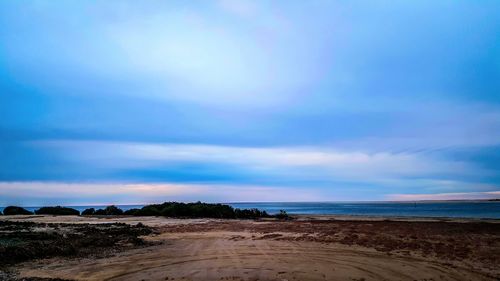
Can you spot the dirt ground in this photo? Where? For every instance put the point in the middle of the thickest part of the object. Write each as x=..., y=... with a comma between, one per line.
x=304, y=249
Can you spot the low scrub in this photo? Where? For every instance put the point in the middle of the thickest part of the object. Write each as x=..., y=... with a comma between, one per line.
x=58, y=210
x=88, y=212
x=14, y=210
x=109, y=211
x=23, y=241
x=282, y=215
x=196, y=210
x=185, y=210
x=131, y=212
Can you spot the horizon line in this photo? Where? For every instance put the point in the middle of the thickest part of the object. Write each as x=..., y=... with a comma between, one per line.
x=260, y=202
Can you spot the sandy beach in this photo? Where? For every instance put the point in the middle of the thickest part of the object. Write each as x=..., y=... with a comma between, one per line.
x=307, y=248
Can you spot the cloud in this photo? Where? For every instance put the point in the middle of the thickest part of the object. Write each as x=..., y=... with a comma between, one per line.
x=353, y=99
x=211, y=58
x=338, y=174
x=40, y=193
x=330, y=163
x=166, y=51
x=445, y=196
x=242, y=8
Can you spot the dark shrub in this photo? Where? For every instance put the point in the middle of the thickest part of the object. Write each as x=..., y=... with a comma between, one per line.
x=186, y=210
x=282, y=215
x=251, y=214
x=131, y=212
x=58, y=210
x=198, y=210
x=88, y=212
x=1, y=213
x=109, y=211
x=149, y=210
x=113, y=211
x=14, y=210
x=100, y=212
x=21, y=241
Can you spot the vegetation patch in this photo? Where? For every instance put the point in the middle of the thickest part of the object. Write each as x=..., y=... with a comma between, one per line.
x=109, y=211
x=88, y=212
x=167, y=209
x=22, y=241
x=58, y=210
x=14, y=210
x=197, y=210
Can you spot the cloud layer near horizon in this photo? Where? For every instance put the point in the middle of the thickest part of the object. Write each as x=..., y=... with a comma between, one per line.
x=328, y=99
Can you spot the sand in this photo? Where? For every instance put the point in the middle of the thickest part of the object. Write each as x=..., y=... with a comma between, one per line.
x=305, y=249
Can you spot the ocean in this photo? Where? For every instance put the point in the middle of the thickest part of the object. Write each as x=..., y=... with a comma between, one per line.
x=454, y=209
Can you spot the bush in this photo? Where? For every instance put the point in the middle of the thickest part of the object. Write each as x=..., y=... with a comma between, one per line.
x=113, y=211
x=282, y=215
x=14, y=210
x=251, y=213
x=1, y=213
x=100, y=212
x=196, y=210
x=88, y=212
x=131, y=212
x=149, y=210
x=58, y=210
x=184, y=210
x=109, y=211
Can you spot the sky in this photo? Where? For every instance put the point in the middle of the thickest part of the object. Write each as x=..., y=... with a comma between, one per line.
x=124, y=102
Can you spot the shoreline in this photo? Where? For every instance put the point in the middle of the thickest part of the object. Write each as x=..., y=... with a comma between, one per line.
x=393, y=218
x=299, y=217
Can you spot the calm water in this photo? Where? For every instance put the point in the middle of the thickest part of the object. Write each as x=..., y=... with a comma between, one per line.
x=471, y=209
x=476, y=209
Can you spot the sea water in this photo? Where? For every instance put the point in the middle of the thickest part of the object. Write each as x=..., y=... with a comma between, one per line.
x=455, y=209
x=463, y=209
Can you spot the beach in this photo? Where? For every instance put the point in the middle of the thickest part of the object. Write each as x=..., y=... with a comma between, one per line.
x=306, y=248
x=249, y=140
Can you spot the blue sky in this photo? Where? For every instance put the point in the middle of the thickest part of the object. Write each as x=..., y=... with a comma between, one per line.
x=150, y=101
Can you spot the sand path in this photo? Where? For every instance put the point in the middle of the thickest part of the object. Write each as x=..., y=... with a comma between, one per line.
x=239, y=256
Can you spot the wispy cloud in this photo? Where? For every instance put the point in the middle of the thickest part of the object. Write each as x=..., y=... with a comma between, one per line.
x=242, y=8
x=40, y=193
x=321, y=160
x=445, y=196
